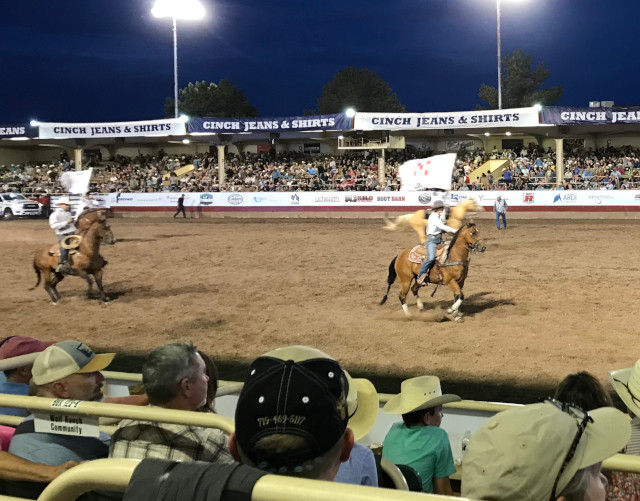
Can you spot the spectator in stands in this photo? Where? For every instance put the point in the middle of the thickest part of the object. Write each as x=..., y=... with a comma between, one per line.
x=548, y=451
x=174, y=377
x=626, y=382
x=419, y=441
x=301, y=431
x=17, y=378
x=585, y=391
x=363, y=404
x=69, y=370
x=212, y=384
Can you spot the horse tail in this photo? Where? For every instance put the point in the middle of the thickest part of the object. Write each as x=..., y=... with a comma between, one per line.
x=37, y=270
x=390, y=279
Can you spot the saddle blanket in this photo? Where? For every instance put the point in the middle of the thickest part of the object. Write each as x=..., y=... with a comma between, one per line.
x=418, y=253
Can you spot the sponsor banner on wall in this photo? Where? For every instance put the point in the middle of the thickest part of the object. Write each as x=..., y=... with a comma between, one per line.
x=542, y=199
x=17, y=130
x=167, y=127
x=281, y=124
x=562, y=115
x=455, y=120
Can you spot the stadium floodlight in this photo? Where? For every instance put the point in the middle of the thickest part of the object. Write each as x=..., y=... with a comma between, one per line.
x=188, y=10
x=185, y=141
x=34, y=123
x=184, y=118
x=508, y=133
x=537, y=106
x=350, y=112
x=487, y=134
x=340, y=138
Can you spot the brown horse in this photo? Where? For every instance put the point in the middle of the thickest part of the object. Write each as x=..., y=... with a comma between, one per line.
x=452, y=273
x=92, y=215
x=86, y=262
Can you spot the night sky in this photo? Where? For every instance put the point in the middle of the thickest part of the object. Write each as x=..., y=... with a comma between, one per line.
x=97, y=60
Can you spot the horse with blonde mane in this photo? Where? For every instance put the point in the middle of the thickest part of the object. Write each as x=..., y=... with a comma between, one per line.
x=458, y=215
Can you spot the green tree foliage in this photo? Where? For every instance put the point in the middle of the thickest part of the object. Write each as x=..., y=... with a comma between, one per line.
x=521, y=85
x=204, y=99
x=360, y=89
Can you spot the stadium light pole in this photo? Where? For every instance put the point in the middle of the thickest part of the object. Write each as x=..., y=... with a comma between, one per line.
x=177, y=9
x=499, y=56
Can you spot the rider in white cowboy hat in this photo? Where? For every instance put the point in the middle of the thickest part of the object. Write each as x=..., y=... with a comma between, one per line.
x=435, y=227
x=626, y=382
x=419, y=441
x=61, y=221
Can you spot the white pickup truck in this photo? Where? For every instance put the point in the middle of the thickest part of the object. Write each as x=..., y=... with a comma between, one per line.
x=17, y=205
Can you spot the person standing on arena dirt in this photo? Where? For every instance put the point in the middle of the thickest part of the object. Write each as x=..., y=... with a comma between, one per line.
x=61, y=221
x=180, y=207
x=500, y=207
x=435, y=227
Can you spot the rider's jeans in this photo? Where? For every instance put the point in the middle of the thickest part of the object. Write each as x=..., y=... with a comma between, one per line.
x=64, y=253
x=432, y=247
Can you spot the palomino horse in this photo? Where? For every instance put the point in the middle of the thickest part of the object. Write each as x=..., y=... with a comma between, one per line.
x=86, y=262
x=453, y=271
x=418, y=220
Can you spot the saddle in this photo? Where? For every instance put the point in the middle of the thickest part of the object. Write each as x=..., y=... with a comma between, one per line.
x=54, y=250
x=418, y=254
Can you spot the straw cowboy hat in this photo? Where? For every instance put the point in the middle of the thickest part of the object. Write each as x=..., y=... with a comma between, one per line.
x=362, y=401
x=418, y=393
x=71, y=242
x=626, y=382
x=63, y=200
x=363, y=404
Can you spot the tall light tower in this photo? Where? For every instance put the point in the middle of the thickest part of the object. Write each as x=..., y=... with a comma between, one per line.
x=499, y=56
x=177, y=9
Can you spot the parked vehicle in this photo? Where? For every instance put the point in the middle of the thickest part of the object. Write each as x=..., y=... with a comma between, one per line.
x=17, y=205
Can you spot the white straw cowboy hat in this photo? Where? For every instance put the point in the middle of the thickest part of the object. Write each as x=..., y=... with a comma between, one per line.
x=362, y=401
x=418, y=393
x=63, y=200
x=626, y=382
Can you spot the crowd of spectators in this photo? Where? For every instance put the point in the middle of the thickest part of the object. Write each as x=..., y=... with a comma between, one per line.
x=299, y=413
x=532, y=167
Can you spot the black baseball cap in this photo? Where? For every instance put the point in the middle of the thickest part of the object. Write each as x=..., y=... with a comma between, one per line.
x=304, y=398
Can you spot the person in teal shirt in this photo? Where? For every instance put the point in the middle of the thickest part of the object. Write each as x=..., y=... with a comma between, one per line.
x=419, y=441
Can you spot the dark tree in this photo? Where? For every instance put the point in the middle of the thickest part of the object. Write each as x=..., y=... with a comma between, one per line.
x=360, y=89
x=521, y=84
x=204, y=99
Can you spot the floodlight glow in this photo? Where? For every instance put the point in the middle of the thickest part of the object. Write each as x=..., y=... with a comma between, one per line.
x=350, y=112
x=185, y=141
x=487, y=134
x=508, y=133
x=184, y=118
x=340, y=138
x=537, y=106
x=191, y=10
x=34, y=123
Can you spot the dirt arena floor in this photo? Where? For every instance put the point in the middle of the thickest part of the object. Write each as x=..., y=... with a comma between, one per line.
x=548, y=297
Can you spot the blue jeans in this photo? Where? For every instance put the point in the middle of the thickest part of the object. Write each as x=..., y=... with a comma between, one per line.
x=432, y=247
x=64, y=253
x=504, y=219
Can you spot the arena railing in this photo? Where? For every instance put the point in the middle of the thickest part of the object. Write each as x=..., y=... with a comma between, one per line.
x=114, y=475
x=121, y=411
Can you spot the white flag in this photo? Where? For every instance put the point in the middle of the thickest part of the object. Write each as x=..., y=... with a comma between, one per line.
x=76, y=182
x=427, y=173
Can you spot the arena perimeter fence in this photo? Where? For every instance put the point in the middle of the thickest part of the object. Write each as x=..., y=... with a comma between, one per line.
x=526, y=204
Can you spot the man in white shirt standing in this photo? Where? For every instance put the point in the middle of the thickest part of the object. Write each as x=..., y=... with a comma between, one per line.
x=61, y=221
x=500, y=208
x=435, y=227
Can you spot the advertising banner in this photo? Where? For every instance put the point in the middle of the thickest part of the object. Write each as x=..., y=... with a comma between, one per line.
x=561, y=115
x=427, y=173
x=454, y=120
x=538, y=200
x=19, y=130
x=166, y=127
x=281, y=124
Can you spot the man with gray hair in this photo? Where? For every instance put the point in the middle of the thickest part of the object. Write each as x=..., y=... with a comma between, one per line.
x=174, y=377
